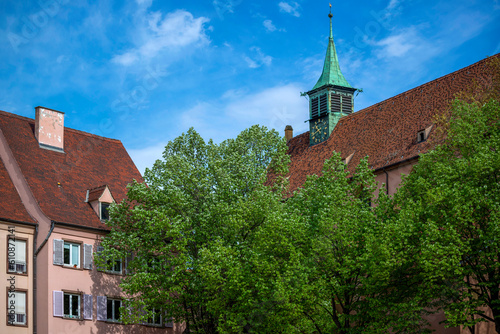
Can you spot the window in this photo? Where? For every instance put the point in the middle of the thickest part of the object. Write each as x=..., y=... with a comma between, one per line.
x=71, y=305
x=16, y=250
x=156, y=318
x=16, y=308
x=114, y=266
x=72, y=254
x=104, y=210
x=113, y=309
x=421, y=136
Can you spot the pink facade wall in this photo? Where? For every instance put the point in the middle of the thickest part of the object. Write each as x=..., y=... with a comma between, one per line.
x=90, y=282
x=19, y=281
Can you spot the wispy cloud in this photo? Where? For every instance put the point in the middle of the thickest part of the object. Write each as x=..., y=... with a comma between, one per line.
x=258, y=58
x=396, y=45
x=165, y=32
x=269, y=25
x=290, y=8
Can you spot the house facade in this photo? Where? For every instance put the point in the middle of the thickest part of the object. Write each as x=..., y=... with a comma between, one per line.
x=57, y=184
x=392, y=133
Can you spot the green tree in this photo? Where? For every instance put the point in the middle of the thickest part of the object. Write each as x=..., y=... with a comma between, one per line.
x=448, y=217
x=198, y=230
x=337, y=219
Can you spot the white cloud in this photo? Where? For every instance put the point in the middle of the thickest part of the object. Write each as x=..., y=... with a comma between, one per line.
x=396, y=45
x=290, y=8
x=165, y=33
x=269, y=25
x=258, y=58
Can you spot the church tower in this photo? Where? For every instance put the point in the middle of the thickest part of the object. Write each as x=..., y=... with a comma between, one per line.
x=331, y=97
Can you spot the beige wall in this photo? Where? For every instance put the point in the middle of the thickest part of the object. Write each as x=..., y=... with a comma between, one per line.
x=24, y=282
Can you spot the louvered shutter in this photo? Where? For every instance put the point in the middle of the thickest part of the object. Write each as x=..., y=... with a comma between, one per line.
x=102, y=310
x=58, y=303
x=58, y=252
x=128, y=259
x=99, y=250
x=87, y=256
x=87, y=307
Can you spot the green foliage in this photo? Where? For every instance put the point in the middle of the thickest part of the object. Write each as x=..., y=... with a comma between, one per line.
x=447, y=222
x=200, y=229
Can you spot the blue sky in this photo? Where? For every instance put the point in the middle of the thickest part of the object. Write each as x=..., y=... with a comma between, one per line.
x=144, y=71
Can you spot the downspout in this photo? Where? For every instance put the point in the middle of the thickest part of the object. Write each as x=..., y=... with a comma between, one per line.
x=34, y=269
x=386, y=181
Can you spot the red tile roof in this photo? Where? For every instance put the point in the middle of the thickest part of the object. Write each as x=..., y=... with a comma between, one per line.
x=59, y=181
x=96, y=193
x=11, y=206
x=387, y=131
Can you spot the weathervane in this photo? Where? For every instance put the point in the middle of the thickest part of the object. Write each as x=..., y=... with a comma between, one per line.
x=330, y=15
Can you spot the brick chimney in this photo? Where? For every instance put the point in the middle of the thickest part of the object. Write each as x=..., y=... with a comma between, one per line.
x=49, y=128
x=288, y=132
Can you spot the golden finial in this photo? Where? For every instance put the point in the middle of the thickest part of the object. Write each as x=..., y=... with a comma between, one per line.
x=330, y=15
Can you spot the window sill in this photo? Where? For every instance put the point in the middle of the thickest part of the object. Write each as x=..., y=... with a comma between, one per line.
x=109, y=321
x=17, y=273
x=16, y=325
x=71, y=267
x=69, y=317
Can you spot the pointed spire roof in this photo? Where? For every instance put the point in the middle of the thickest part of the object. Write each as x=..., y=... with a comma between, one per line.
x=331, y=70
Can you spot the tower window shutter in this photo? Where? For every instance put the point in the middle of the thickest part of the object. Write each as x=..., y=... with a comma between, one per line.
x=102, y=308
x=87, y=256
x=87, y=307
x=58, y=252
x=323, y=105
x=335, y=100
x=314, y=107
x=58, y=303
x=347, y=104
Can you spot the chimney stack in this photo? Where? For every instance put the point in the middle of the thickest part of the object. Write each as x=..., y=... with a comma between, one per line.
x=49, y=128
x=288, y=132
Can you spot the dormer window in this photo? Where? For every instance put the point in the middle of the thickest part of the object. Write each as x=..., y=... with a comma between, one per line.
x=104, y=213
x=423, y=135
x=100, y=199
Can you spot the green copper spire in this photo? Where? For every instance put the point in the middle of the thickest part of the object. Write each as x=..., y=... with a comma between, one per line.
x=331, y=70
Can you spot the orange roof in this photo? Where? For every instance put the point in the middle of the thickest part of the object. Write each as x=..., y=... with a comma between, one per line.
x=387, y=131
x=59, y=181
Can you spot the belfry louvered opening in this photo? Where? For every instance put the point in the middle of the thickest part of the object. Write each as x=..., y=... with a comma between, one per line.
x=346, y=104
x=335, y=99
x=323, y=105
x=314, y=107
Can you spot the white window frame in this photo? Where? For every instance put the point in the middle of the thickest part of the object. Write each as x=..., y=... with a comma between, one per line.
x=156, y=313
x=112, y=317
x=17, y=308
x=71, y=253
x=114, y=262
x=70, y=314
x=14, y=256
